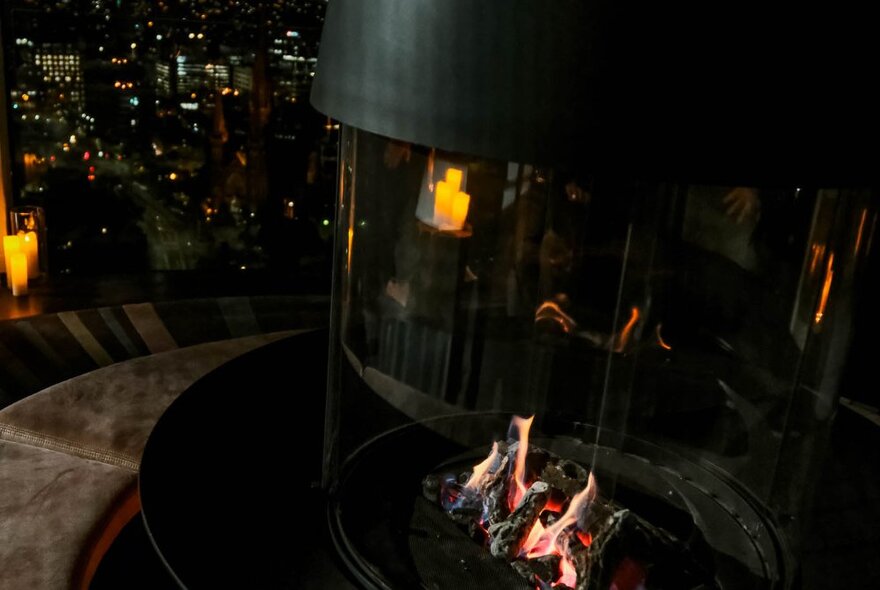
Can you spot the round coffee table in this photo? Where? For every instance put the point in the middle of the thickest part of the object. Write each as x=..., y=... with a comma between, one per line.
x=229, y=476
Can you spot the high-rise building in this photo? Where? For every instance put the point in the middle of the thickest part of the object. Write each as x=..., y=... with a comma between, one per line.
x=61, y=67
x=194, y=75
x=242, y=78
x=164, y=82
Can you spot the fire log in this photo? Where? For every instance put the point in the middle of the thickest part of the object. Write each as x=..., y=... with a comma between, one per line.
x=509, y=535
x=431, y=488
x=566, y=476
x=579, y=555
x=495, y=493
x=548, y=517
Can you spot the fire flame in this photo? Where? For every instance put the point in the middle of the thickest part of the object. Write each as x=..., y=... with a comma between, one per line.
x=548, y=542
x=550, y=310
x=556, y=538
x=627, y=330
x=864, y=218
x=826, y=289
x=660, y=341
x=482, y=469
x=519, y=487
x=817, y=253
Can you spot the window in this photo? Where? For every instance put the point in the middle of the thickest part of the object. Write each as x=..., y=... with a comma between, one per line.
x=166, y=136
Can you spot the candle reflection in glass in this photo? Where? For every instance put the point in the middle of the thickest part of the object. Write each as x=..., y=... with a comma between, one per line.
x=450, y=202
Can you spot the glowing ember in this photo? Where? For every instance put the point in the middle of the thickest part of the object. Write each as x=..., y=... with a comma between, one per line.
x=585, y=538
x=630, y=575
x=519, y=487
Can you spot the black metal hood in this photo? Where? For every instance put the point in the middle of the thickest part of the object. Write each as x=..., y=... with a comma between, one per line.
x=725, y=93
x=500, y=79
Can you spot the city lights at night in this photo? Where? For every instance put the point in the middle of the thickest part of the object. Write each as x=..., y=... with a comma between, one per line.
x=178, y=104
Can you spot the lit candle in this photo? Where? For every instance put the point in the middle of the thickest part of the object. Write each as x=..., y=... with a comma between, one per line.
x=18, y=273
x=453, y=179
x=11, y=245
x=460, y=208
x=443, y=199
x=29, y=247
x=450, y=202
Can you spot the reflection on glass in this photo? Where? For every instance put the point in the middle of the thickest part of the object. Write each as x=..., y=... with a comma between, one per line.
x=696, y=323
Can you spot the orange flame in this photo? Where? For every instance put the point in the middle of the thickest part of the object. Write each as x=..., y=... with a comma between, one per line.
x=481, y=469
x=519, y=487
x=550, y=310
x=861, y=231
x=547, y=543
x=627, y=330
x=535, y=535
x=818, y=251
x=348, y=252
x=826, y=288
x=660, y=341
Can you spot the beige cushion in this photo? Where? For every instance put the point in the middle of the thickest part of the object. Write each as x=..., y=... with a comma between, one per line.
x=51, y=505
x=108, y=414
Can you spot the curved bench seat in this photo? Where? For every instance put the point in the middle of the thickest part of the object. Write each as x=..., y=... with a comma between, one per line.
x=69, y=457
x=51, y=504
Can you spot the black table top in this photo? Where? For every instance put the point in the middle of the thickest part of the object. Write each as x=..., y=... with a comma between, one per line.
x=230, y=495
x=229, y=476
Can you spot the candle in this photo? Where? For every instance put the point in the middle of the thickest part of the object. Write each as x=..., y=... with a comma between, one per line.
x=29, y=247
x=453, y=179
x=11, y=245
x=443, y=199
x=459, y=209
x=450, y=203
x=18, y=273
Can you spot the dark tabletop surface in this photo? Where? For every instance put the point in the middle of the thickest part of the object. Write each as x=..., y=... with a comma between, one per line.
x=230, y=494
x=230, y=475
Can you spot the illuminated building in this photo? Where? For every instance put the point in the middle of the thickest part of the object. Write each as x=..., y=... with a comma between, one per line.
x=164, y=82
x=193, y=76
x=242, y=77
x=61, y=67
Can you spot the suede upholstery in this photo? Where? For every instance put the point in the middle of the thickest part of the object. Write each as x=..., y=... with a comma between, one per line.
x=50, y=505
x=69, y=457
x=108, y=414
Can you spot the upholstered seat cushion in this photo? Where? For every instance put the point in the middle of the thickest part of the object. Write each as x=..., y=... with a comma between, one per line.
x=108, y=414
x=51, y=505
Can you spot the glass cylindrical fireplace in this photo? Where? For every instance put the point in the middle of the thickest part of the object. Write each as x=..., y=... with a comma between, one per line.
x=594, y=303
x=684, y=342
